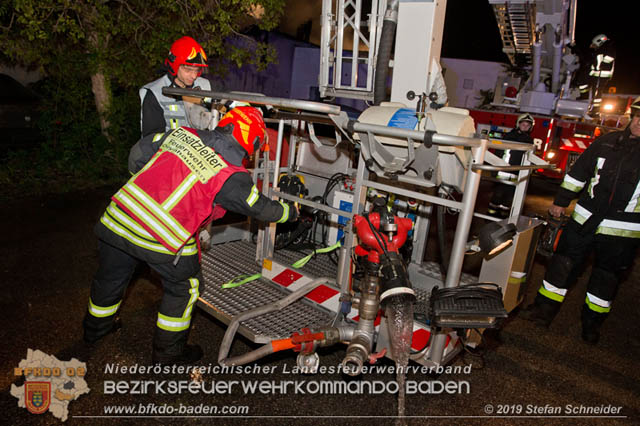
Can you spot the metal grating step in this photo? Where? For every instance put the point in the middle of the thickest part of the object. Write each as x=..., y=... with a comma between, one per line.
x=226, y=261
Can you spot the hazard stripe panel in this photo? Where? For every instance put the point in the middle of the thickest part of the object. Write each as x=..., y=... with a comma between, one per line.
x=323, y=295
x=286, y=278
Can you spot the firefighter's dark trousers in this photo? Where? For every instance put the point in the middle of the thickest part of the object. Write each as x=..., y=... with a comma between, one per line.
x=613, y=256
x=501, y=199
x=180, y=283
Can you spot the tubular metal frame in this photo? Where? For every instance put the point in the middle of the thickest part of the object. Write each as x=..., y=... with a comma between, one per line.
x=478, y=147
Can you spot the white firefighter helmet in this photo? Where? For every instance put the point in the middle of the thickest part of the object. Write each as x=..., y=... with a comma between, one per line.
x=525, y=117
x=599, y=40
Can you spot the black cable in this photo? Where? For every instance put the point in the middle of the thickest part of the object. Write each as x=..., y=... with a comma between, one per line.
x=472, y=290
x=383, y=243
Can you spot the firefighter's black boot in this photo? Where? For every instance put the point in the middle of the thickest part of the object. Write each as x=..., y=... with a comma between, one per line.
x=188, y=355
x=591, y=323
x=96, y=328
x=590, y=336
x=171, y=348
x=541, y=312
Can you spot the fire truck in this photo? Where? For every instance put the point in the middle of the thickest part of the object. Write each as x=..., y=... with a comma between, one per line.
x=536, y=38
x=559, y=141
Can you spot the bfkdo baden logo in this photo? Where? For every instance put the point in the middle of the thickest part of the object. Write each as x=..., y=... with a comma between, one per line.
x=49, y=384
x=37, y=396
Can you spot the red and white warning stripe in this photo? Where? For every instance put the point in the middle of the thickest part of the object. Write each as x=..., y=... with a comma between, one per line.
x=577, y=142
x=324, y=295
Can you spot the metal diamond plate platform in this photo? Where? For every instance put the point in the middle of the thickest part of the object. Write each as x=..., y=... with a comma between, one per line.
x=224, y=262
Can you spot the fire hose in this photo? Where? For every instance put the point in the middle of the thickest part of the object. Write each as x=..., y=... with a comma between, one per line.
x=330, y=335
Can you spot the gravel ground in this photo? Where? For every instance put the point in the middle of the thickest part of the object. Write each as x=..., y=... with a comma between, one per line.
x=48, y=257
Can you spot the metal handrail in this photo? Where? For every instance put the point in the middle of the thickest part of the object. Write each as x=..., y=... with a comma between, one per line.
x=492, y=168
x=255, y=99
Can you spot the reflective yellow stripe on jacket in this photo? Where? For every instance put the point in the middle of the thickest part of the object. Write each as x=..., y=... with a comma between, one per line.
x=120, y=223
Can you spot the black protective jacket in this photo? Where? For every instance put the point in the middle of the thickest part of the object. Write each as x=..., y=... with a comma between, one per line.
x=514, y=157
x=606, y=178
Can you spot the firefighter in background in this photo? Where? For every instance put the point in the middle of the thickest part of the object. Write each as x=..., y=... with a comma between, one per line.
x=180, y=181
x=184, y=65
x=598, y=70
x=500, y=204
x=606, y=220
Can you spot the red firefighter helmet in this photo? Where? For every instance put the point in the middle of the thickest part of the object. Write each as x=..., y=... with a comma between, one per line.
x=185, y=51
x=248, y=127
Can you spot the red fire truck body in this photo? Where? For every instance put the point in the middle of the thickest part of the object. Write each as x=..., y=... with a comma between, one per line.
x=558, y=141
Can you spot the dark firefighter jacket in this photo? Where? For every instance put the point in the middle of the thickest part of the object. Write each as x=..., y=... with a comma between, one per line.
x=603, y=61
x=606, y=178
x=512, y=156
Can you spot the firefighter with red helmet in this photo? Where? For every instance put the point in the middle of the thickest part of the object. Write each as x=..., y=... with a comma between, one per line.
x=606, y=221
x=500, y=204
x=184, y=65
x=180, y=181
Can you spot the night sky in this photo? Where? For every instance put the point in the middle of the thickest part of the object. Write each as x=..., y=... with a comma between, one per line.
x=471, y=32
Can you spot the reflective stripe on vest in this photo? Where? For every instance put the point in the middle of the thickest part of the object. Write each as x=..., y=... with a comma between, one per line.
x=158, y=227
x=179, y=192
x=123, y=225
x=174, y=195
x=172, y=109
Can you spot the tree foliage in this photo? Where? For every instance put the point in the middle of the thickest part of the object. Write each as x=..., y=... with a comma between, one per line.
x=95, y=54
x=128, y=39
